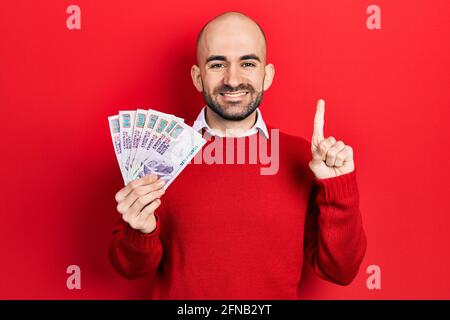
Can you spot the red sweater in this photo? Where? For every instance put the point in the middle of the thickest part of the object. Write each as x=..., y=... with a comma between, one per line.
x=224, y=231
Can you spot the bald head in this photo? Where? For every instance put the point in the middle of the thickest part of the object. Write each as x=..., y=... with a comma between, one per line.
x=233, y=27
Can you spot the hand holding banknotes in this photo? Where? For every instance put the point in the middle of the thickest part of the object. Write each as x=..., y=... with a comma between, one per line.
x=138, y=200
x=152, y=148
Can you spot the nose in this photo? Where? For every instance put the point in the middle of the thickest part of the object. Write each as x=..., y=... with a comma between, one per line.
x=232, y=77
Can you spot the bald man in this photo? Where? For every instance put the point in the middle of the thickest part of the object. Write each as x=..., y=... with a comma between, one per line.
x=226, y=230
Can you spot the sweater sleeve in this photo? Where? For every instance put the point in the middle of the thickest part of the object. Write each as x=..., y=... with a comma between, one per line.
x=335, y=241
x=134, y=254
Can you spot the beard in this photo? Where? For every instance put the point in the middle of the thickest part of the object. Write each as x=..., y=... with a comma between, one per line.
x=229, y=111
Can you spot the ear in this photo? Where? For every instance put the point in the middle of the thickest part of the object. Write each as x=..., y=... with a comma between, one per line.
x=196, y=78
x=269, y=72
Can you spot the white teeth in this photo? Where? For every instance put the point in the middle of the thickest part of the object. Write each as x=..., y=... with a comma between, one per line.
x=235, y=94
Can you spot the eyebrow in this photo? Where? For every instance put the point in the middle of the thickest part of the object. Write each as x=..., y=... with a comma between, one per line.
x=223, y=58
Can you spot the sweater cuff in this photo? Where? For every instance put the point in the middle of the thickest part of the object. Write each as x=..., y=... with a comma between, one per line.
x=142, y=240
x=339, y=187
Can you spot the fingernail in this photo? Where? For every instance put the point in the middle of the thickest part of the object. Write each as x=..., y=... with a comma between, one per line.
x=161, y=183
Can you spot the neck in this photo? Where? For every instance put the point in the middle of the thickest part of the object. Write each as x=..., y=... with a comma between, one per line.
x=226, y=127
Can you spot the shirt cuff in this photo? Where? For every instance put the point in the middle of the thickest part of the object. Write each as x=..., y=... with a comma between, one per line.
x=337, y=188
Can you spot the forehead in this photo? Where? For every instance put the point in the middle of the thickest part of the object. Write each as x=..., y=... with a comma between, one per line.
x=232, y=40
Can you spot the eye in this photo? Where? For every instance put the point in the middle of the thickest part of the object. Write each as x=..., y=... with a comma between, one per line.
x=249, y=64
x=216, y=65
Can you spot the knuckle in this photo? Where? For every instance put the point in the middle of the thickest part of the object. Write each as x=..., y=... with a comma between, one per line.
x=157, y=203
x=134, y=184
x=323, y=146
x=119, y=208
x=139, y=192
x=150, y=209
x=152, y=196
x=135, y=193
x=154, y=186
x=141, y=201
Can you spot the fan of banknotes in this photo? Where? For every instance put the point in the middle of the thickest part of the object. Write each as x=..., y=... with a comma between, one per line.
x=149, y=141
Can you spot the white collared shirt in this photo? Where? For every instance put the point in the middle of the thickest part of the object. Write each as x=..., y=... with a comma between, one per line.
x=260, y=125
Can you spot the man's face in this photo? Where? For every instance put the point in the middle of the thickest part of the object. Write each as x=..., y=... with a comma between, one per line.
x=231, y=58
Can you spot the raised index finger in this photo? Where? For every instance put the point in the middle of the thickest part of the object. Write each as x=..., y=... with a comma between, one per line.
x=319, y=120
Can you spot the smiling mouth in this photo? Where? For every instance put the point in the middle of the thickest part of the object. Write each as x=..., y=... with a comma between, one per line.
x=234, y=94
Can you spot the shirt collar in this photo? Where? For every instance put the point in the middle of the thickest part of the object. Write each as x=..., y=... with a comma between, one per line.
x=260, y=125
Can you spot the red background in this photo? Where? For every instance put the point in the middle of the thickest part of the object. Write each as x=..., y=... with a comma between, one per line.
x=387, y=94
